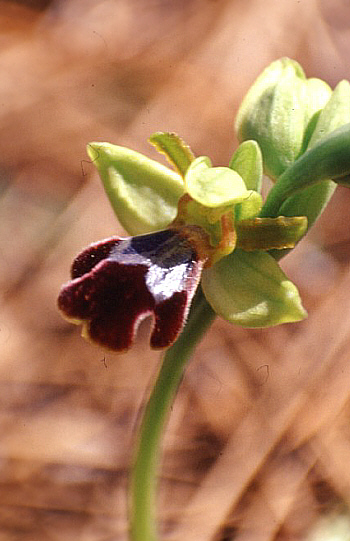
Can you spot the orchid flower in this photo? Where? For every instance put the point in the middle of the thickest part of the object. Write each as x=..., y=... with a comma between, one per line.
x=208, y=225
x=212, y=233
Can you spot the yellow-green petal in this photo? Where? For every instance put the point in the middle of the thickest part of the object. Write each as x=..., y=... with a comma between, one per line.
x=270, y=233
x=143, y=193
x=214, y=187
x=177, y=152
x=251, y=290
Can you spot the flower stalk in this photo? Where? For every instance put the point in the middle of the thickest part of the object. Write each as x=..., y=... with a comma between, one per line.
x=144, y=474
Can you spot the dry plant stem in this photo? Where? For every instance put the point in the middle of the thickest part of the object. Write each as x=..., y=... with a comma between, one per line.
x=144, y=474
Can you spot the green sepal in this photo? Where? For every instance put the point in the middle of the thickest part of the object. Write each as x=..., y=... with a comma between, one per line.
x=214, y=187
x=251, y=290
x=143, y=193
x=276, y=112
x=177, y=152
x=247, y=162
x=270, y=233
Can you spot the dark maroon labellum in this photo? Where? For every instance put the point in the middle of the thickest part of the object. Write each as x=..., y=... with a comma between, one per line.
x=117, y=282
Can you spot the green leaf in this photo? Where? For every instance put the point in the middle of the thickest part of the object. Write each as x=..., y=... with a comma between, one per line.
x=143, y=193
x=247, y=162
x=251, y=290
x=175, y=149
x=214, y=187
x=270, y=233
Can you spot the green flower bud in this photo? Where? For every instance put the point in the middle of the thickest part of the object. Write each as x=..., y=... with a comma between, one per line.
x=307, y=185
x=278, y=112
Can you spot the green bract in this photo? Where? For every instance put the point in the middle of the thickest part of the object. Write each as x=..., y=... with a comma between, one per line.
x=292, y=118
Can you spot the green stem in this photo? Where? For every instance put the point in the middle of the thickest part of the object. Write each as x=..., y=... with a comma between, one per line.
x=143, y=482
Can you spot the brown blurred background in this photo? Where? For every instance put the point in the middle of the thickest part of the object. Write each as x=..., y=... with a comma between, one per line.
x=258, y=443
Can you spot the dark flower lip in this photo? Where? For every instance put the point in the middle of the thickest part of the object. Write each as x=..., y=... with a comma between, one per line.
x=119, y=281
